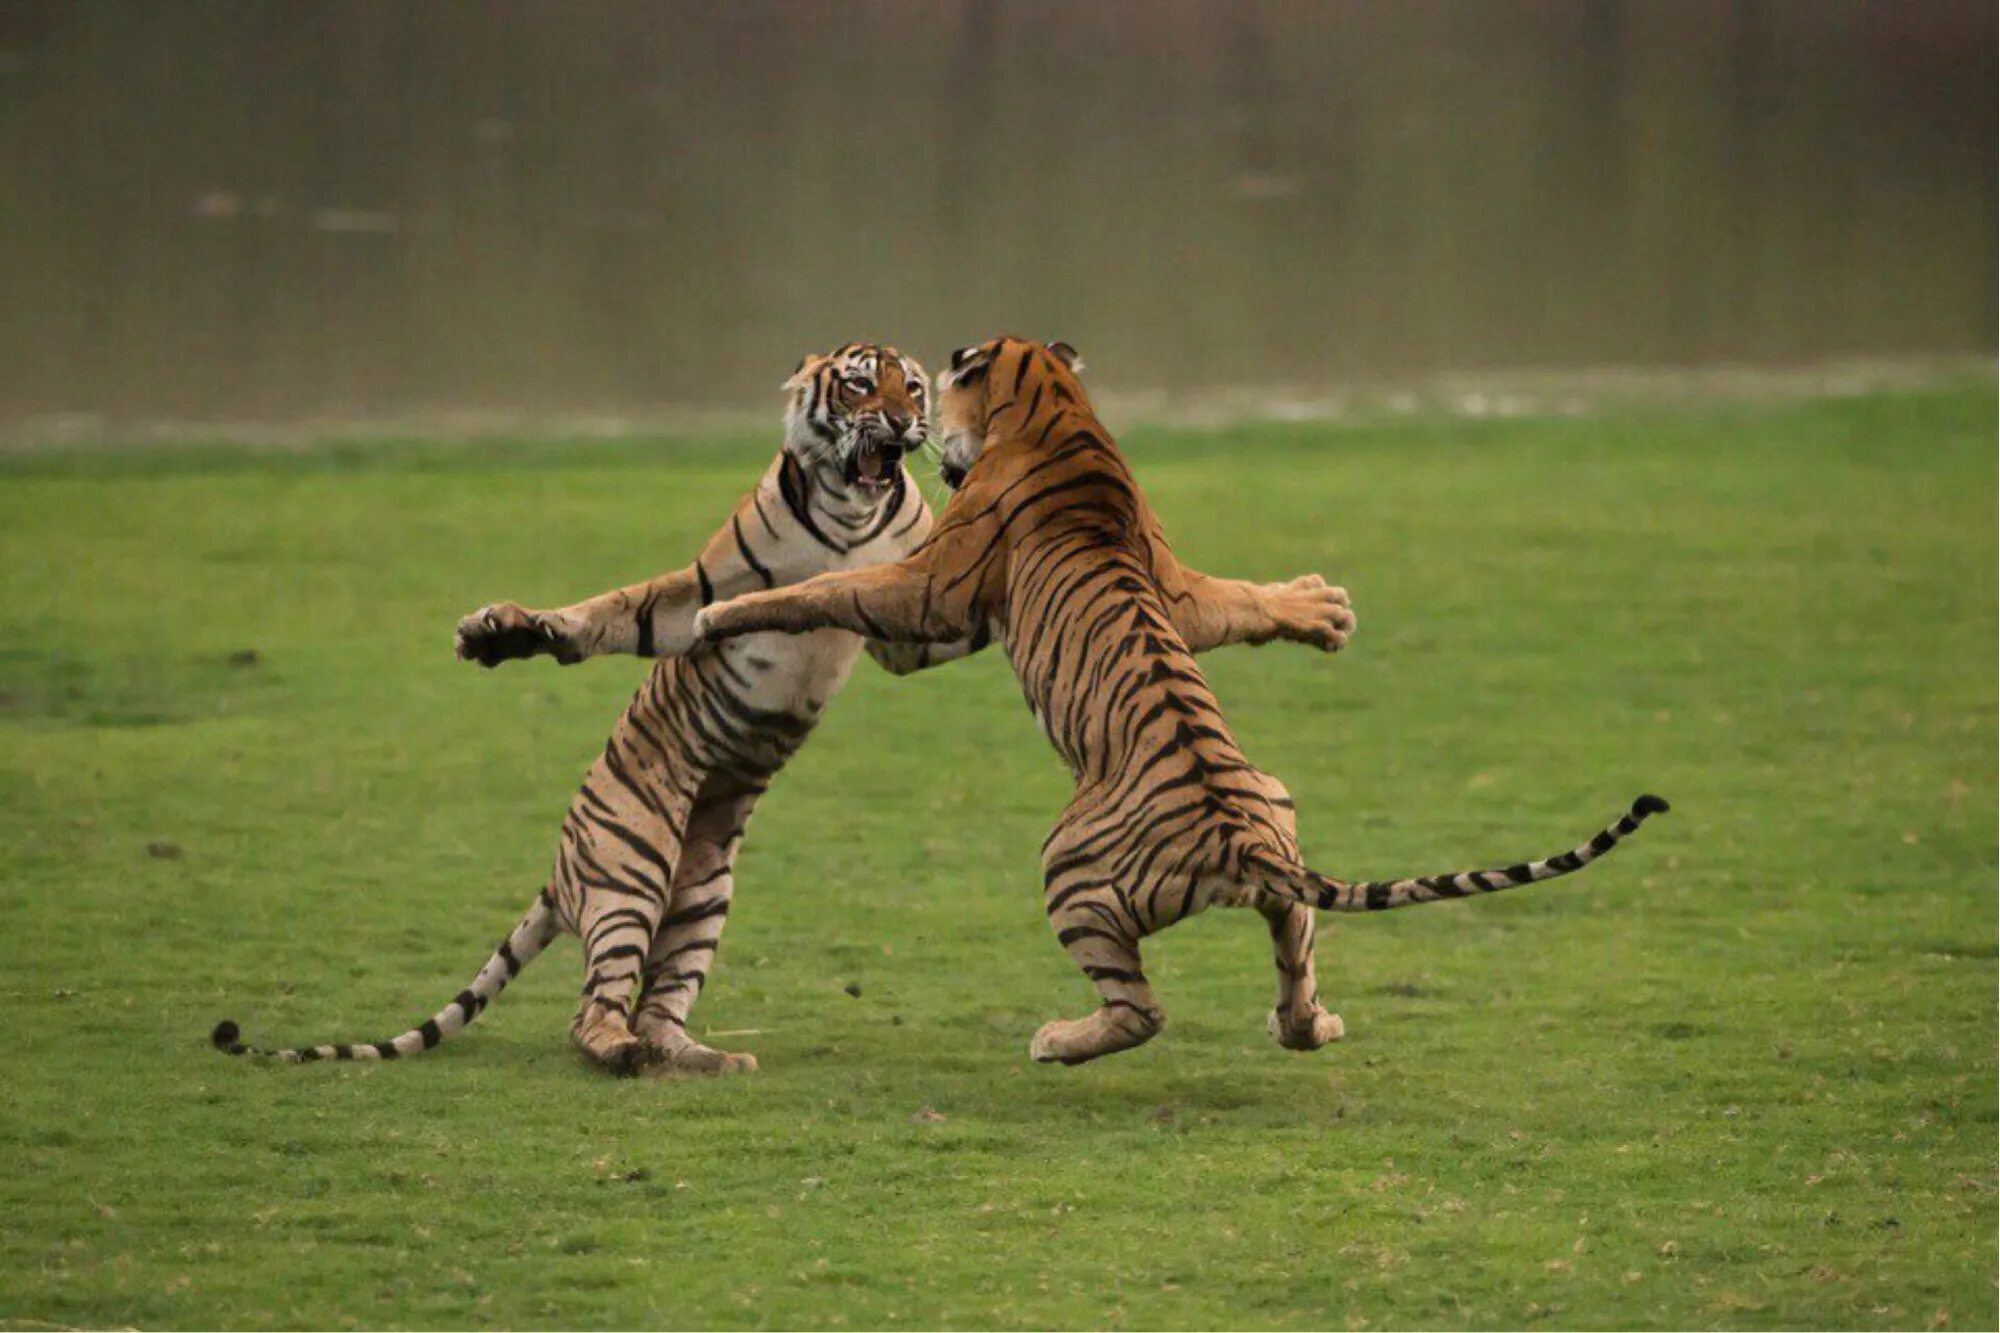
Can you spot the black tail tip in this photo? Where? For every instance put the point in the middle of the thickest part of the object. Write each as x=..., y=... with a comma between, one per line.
x=1649, y=805
x=225, y=1035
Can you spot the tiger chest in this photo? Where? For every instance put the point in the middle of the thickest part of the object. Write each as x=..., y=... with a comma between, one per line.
x=771, y=690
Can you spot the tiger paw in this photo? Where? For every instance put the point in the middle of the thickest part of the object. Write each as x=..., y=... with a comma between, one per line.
x=1306, y=1032
x=694, y=1058
x=723, y=620
x=1312, y=611
x=1053, y=1042
x=608, y=1043
x=1071, y=1041
x=753, y=613
x=503, y=631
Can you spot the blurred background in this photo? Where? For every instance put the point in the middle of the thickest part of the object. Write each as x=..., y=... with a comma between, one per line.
x=539, y=213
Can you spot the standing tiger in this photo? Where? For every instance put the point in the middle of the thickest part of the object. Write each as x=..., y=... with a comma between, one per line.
x=643, y=871
x=1048, y=534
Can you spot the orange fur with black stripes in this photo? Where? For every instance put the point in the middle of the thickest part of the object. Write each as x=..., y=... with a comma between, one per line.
x=1049, y=537
x=644, y=870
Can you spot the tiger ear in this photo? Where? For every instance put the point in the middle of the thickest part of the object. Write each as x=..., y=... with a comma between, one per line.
x=1066, y=354
x=967, y=365
x=802, y=373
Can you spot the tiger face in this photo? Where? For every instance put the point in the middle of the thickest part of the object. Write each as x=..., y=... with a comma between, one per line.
x=855, y=412
x=985, y=380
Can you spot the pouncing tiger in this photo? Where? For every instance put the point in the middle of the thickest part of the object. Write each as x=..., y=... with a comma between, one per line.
x=644, y=869
x=1048, y=535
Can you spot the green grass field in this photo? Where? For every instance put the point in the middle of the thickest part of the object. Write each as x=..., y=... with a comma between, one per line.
x=1740, y=1074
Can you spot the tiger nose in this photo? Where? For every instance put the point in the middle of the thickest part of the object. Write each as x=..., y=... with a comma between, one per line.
x=898, y=420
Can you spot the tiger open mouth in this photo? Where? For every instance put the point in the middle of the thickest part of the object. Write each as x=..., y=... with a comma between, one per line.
x=873, y=465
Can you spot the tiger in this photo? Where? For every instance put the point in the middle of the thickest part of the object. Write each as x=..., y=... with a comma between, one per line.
x=1048, y=536
x=644, y=869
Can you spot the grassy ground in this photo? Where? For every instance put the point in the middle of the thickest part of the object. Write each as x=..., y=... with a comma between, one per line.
x=1743, y=1073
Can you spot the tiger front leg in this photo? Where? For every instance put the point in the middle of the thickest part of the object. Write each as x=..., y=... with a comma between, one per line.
x=650, y=619
x=890, y=603
x=1213, y=613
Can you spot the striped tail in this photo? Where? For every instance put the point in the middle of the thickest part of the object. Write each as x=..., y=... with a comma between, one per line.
x=537, y=928
x=1290, y=880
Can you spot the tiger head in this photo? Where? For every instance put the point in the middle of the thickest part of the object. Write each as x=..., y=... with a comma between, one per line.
x=990, y=378
x=853, y=413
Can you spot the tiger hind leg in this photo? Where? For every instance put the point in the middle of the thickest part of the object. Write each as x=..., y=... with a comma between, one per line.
x=620, y=846
x=1100, y=934
x=684, y=947
x=615, y=941
x=1298, y=1020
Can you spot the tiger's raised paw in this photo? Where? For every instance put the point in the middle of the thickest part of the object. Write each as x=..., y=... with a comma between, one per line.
x=503, y=632
x=1312, y=611
x=1317, y=1028
x=722, y=620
